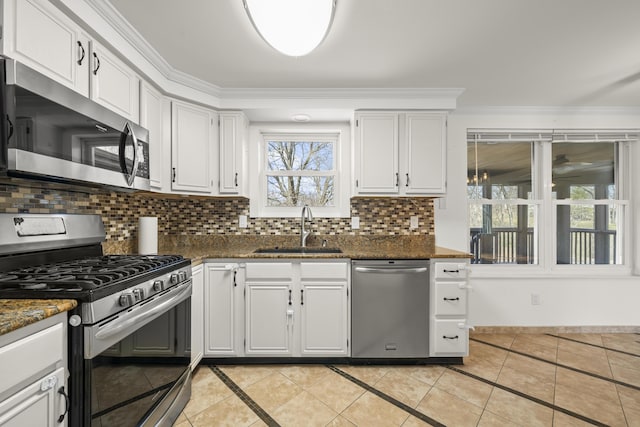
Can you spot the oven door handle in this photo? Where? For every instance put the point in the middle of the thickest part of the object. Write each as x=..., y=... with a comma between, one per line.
x=116, y=327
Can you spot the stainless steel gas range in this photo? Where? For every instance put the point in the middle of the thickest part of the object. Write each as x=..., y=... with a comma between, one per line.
x=129, y=337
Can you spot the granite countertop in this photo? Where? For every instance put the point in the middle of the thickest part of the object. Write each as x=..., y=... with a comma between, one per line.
x=17, y=313
x=199, y=248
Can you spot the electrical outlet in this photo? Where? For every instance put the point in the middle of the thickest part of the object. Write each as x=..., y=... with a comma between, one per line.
x=355, y=222
x=535, y=299
x=242, y=221
x=414, y=222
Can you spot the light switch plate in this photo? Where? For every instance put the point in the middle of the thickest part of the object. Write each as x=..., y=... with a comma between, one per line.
x=355, y=222
x=242, y=221
x=414, y=222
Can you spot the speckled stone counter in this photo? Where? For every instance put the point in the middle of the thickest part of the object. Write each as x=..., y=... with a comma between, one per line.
x=17, y=313
x=199, y=247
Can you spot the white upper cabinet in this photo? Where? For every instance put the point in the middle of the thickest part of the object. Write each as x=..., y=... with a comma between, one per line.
x=376, y=156
x=400, y=153
x=155, y=114
x=233, y=133
x=193, y=144
x=40, y=36
x=113, y=83
x=425, y=144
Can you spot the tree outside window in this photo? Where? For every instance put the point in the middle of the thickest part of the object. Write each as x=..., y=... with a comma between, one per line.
x=300, y=170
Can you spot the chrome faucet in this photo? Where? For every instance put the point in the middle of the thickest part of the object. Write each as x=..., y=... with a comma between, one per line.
x=306, y=215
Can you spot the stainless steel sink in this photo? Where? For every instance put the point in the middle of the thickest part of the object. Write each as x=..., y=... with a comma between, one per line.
x=298, y=250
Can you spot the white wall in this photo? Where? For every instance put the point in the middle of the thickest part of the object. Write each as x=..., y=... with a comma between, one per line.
x=565, y=301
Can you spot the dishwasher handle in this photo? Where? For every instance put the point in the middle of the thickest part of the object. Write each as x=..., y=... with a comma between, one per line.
x=391, y=270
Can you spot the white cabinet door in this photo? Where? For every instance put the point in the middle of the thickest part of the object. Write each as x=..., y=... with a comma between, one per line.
x=39, y=404
x=324, y=318
x=232, y=139
x=40, y=36
x=400, y=154
x=113, y=83
x=376, y=153
x=152, y=118
x=197, y=315
x=269, y=319
x=424, y=153
x=192, y=145
x=223, y=299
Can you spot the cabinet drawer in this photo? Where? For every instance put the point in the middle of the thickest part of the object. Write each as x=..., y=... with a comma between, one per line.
x=450, y=338
x=450, y=270
x=31, y=355
x=324, y=270
x=451, y=298
x=269, y=270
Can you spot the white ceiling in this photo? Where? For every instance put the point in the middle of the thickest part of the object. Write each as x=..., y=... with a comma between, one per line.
x=552, y=53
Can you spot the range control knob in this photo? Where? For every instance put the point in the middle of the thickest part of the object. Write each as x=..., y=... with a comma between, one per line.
x=183, y=276
x=158, y=285
x=127, y=299
x=173, y=279
x=138, y=294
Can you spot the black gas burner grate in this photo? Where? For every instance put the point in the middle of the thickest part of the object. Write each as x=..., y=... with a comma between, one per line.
x=84, y=274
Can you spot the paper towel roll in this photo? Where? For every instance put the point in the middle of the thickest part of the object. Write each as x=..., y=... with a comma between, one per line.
x=148, y=235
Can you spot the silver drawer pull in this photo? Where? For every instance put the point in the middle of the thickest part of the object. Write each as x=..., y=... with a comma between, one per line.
x=450, y=338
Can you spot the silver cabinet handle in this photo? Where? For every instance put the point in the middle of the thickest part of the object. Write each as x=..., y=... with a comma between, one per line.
x=391, y=270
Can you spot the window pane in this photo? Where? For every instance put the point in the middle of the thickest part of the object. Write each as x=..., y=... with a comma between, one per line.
x=300, y=155
x=584, y=170
x=587, y=234
x=499, y=170
x=291, y=191
x=502, y=234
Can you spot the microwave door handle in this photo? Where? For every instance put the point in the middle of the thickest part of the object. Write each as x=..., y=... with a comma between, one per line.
x=129, y=175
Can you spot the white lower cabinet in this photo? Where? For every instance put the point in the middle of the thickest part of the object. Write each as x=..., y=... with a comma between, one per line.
x=449, y=308
x=324, y=309
x=197, y=315
x=277, y=308
x=33, y=388
x=223, y=308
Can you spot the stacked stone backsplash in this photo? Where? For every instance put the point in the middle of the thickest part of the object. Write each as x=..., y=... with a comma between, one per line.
x=198, y=215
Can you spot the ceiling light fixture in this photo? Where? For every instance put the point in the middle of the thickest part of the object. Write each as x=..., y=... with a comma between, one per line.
x=292, y=27
x=301, y=118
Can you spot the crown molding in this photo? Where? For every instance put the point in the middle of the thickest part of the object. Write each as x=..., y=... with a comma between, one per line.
x=177, y=81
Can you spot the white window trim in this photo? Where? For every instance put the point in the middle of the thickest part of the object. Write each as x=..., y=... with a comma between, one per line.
x=546, y=216
x=338, y=133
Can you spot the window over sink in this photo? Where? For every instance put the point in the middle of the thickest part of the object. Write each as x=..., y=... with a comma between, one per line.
x=300, y=167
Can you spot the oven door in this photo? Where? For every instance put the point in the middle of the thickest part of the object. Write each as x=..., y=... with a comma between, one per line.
x=136, y=364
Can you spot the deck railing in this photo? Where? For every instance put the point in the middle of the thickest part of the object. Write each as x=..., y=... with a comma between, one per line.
x=511, y=246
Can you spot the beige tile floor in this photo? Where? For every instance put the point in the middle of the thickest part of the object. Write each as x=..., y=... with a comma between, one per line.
x=500, y=384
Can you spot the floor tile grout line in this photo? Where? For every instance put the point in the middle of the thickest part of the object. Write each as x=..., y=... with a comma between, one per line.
x=386, y=397
x=528, y=397
x=595, y=345
x=244, y=397
x=571, y=368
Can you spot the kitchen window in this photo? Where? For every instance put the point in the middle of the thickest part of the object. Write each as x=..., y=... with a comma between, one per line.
x=548, y=198
x=297, y=169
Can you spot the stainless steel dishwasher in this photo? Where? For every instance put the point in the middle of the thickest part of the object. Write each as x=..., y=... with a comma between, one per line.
x=390, y=309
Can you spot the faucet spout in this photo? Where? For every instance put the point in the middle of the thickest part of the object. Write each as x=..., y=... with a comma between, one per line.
x=305, y=216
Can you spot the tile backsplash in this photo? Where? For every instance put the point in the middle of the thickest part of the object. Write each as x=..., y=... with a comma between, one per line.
x=199, y=215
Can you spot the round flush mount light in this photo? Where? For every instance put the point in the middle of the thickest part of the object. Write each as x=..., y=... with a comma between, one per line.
x=292, y=27
x=301, y=118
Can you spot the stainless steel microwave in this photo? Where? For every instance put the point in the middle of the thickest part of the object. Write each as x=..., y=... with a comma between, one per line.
x=51, y=132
